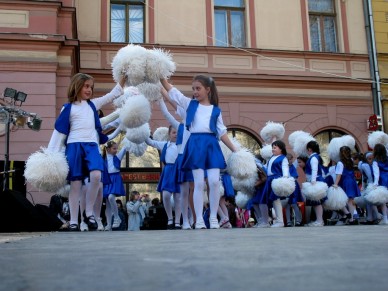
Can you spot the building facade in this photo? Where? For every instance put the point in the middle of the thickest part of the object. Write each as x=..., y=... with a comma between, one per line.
x=301, y=62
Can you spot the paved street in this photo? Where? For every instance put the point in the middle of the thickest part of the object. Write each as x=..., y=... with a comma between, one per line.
x=328, y=258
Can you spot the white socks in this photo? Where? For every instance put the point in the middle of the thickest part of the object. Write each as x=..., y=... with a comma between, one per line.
x=74, y=196
x=167, y=205
x=277, y=205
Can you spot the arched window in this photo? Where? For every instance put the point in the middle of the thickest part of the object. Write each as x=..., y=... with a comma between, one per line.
x=246, y=139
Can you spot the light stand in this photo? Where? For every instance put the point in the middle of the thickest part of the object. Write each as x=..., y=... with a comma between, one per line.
x=9, y=114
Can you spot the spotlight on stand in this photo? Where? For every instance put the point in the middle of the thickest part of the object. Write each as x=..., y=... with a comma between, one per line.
x=15, y=95
x=34, y=123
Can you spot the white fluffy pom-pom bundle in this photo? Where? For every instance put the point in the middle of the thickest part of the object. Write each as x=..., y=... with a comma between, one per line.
x=131, y=61
x=283, y=186
x=360, y=201
x=241, y=199
x=139, y=134
x=241, y=164
x=336, y=143
x=377, y=196
x=161, y=134
x=128, y=93
x=266, y=152
x=46, y=171
x=137, y=149
x=300, y=144
x=272, y=131
x=226, y=151
x=64, y=191
x=246, y=185
x=336, y=199
x=294, y=135
x=160, y=65
x=315, y=191
x=377, y=137
x=135, y=112
x=150, y=91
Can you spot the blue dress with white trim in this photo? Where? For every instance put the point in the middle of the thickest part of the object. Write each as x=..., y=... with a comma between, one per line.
x=308, y=171
x=116, y=185
x=295, y=197
x=348, y=183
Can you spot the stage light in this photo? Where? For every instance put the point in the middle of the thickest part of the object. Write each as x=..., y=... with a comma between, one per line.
x=34, y=123
x=21, y=96
x=9, y=92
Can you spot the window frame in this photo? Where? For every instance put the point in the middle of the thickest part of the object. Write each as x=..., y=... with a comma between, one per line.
x=127, y=4
x=321, y=16
x=228, y=10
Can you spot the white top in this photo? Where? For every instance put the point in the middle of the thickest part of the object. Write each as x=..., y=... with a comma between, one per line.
x=201, y=122
x=182, y=113
x=365, y=170
x=171, y=152
x=285, y=167
x=314, y=169
x=376, y=173
x=331, y=172
x=120, y=155
x=339, y=168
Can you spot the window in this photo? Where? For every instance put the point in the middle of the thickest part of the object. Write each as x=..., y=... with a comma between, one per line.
x=229, y=20
x=246, y=139
x=127, y=21
x=323, y=32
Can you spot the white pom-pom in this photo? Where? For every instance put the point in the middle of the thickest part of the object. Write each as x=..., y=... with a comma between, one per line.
x=283, y=186
x=137, y=149
x=241, y=164
x=315, y=191
x=300, y=144
x=150, y=91
x=160, y=65
x=161, y=134
x=360, y=201
x=246, y=185
x=46, y=171
x=241, y=199
x=266, y=152
x=135, y=112
x=377, y=196
x=226, y=151
x=64, y=191
x=131, y=61
x=349, y=141
x=272, y=131
x=336, y=199
x=377, y=137
x=293, y=136
x=128, y=93
x=336, y=143
x=139, y=134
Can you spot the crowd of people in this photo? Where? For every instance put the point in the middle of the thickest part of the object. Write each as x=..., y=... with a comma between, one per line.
x=194, y=170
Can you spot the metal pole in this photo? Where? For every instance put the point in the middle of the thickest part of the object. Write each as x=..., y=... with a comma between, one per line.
x=6, y=154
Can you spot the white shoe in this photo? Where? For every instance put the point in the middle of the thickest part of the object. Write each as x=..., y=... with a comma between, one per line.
x=186, y=226
x=315, y=224
x=200, y=225
x=100, y=226
x=263, y=225
x=116, y=222
x=83, y=226
x=278, y=224
x=108, y=227
x=214, y=223
x=383, y=222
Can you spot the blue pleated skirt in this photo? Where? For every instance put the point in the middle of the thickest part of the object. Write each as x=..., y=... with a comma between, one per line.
x=227, y=184
x=116, y=186
x=203, y=151
x=83, y=157
x=350, y=187
x=183, y=176
x=167, y=181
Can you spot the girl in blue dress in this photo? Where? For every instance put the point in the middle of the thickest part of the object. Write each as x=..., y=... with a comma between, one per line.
x=314, y=173
x=345, y=179
x=295, y=197
x=115, y=188
x=380, y=172
x=277, y=167
x=202, y=152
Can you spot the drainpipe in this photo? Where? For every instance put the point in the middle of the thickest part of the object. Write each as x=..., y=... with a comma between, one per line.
x=376, y=89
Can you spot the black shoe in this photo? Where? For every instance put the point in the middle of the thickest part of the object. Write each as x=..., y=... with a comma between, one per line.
x=177, y=226
x=73, y=227
x=354, y=222
x=91, y=222
x=289, y=224
x=298, y=224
